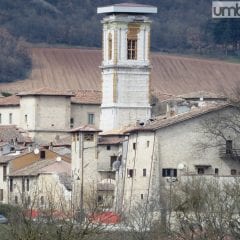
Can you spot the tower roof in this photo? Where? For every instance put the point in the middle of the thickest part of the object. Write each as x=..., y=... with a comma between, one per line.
x=127, y=8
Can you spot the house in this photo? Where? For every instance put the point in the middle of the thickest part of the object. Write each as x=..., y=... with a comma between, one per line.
x=42, y=185
x=17, y=160
x=173, y=147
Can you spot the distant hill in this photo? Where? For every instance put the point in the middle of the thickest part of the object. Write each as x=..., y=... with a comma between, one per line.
x=181, y=26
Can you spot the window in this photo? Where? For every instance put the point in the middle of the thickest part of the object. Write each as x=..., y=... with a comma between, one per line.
x=1, y=195
x=100, y=199
x=16, y=199
x=42, y=200
x=132, y=49
x=130, y=173
x=200, y=170
x=148, y=143
x=29, y=200
x=71, y=122
x=110, y=46
x=90, y=118
x=169, y=172
x=141, y=196
x=23, y=184
x=0, y=118
x=216, y=171
x=144, y=172
x=134, y=146
x=26, y=118
x=229, y=147
x=28, y=184
x=42, y=154
x=108, y=147
x=88, y=137
x=4, y=173
x=11, y=184
x=233, y=172
x=113, y=159
x=10, y=118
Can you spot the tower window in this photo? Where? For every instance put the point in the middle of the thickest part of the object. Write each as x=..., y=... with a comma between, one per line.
x=90, y=118
x=110, y=46
x=132, y=49
x=71, y=122
x=144, y=172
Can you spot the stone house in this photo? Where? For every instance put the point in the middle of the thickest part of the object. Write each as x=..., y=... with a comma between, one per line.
x=42, y=185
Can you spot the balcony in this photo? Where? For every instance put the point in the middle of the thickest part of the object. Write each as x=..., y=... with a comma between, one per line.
x=104, y=167
x=229, y=154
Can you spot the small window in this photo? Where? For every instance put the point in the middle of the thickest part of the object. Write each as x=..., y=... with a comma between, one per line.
x=130, y=173
x=100, y=199
x=233, y=172
x=26, y=118
x=148, y=143
x=4, y=173
x=144, y=172
x=132, y=49
x=23, y=184
x=0, y=118
x=10, y=118
x=229, y=147
x=216, y=171
x=29, y=200
x=108, y=147
x=141, y=196
x=28, y=184
x=200, y=170
x=71, y=122
x=169, y=172
x=1, y=195
x=11, y=184
x=42, y=154
x=134, y=146
x=16, y=199
x=90, y=118
x=42, y=200
x=88, y=137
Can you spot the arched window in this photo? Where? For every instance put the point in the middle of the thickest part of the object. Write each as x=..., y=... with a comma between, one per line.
x=110, y=46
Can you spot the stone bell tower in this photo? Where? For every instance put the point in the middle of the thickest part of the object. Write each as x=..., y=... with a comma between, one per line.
x=126, y=65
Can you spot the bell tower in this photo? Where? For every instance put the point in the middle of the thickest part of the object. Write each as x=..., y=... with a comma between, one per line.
x=126, y=65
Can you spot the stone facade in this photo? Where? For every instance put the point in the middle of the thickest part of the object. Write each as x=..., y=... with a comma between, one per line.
x=125, y=70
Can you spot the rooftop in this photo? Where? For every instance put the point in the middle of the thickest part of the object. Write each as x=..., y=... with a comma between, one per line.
x=46, y=91
x=164, y=121
x=85, y=128
x=47, y=166
x=127, y=8
x=10, y=101
x=87, y=97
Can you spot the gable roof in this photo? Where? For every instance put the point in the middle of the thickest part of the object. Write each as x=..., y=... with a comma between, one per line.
x=10, y=101
x=46, y=166
x=46, y=91
x=164, y=121
x=77, y=68
x=9, y=133
x=87, y=97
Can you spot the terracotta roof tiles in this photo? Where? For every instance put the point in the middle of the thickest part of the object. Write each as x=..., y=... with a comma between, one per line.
x=10, y=101
x=47, y=92
x=87, y=97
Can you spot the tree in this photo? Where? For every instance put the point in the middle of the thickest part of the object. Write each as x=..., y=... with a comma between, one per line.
x=15, y=62
x=207, y=208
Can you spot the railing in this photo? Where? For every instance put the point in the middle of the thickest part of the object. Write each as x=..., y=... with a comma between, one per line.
x=229, y=154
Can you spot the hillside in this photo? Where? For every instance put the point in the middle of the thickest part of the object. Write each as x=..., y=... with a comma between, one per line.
x=179, y=26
